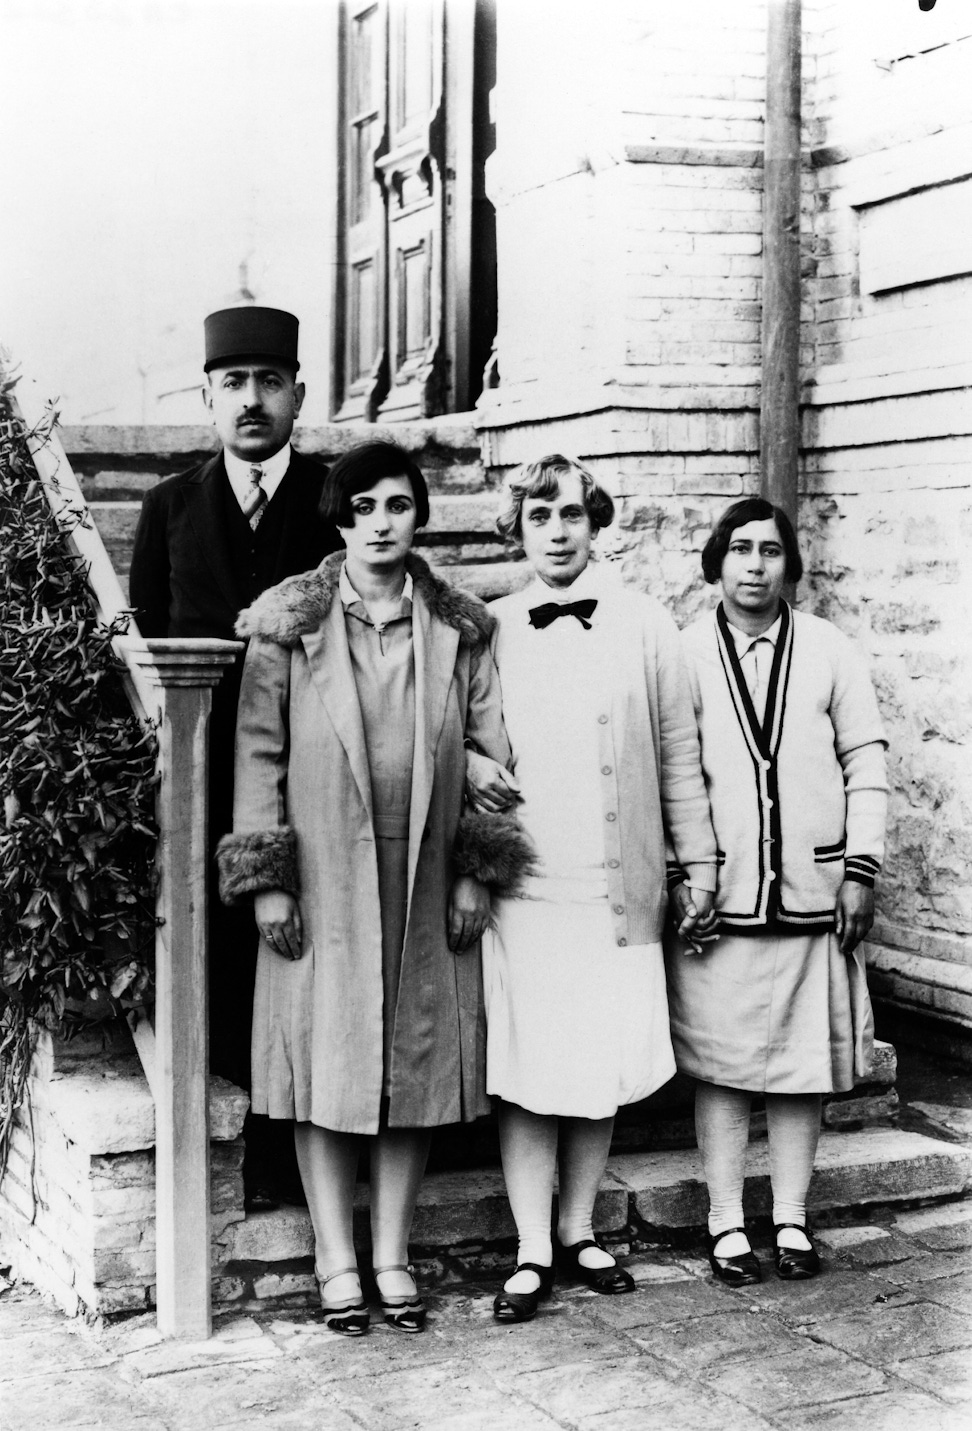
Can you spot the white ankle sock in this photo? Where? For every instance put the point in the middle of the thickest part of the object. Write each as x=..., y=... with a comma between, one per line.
x=534, y=1249
x=570, y=1233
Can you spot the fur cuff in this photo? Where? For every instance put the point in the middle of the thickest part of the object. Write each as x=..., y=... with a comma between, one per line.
x=494, y=850
x=262, y=859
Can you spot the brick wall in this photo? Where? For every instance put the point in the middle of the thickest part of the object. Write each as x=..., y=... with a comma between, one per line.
x=77, y=1202
x=886, y=506
x=629, y=239
x=636, y=222
x=116, y=465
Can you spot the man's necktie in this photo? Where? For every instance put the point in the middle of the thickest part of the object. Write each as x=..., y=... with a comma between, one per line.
x=256, y=498
x=541, y=616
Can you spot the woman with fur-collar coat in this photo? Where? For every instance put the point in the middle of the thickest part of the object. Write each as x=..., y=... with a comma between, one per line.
x=369, y=881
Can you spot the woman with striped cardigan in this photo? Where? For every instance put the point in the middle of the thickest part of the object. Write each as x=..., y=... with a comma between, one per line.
x=793, y=757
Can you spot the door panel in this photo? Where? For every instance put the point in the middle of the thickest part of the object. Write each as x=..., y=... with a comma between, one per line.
x=409, y=331
x=360, y=354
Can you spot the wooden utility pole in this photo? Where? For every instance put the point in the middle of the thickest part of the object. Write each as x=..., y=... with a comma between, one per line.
x=779, y=409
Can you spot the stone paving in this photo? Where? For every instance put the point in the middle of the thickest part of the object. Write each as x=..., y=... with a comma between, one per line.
x=882, y=1341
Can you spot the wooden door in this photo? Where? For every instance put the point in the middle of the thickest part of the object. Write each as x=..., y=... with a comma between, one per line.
x=416, y=301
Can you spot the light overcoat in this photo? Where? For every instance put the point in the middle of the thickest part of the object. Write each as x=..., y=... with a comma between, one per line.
x=303, y=822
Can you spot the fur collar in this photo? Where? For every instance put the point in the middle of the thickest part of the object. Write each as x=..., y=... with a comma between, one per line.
x=299, y=605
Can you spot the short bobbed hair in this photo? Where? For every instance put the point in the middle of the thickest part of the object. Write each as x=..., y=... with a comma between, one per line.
x=542, y=479
x=363, y=468
x=740, y=514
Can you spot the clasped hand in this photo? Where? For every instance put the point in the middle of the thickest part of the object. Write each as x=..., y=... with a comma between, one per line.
x=490, y=787
x=694, y=909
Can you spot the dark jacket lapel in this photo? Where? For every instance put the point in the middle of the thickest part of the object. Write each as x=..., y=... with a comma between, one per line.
x=304, y=536
x=204, y=498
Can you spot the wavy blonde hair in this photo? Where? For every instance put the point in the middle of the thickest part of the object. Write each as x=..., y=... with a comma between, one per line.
x=542, y=479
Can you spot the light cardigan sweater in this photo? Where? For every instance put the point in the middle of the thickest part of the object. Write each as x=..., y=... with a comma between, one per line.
x=799, y=800
x=654, y=796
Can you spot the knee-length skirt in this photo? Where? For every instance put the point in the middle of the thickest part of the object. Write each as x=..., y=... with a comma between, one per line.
x=576, y=1025
x=771, y=1013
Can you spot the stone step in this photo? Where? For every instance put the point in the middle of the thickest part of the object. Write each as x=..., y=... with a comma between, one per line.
x=468, y=1210
x=116, y=466
x=453, y=518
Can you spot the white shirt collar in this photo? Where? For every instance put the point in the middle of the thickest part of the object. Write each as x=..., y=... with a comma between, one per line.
x=274, y=469
x=349, y=596
x=744, y=642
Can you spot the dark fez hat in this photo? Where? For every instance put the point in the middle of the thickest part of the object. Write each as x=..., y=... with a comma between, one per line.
x=249, y=332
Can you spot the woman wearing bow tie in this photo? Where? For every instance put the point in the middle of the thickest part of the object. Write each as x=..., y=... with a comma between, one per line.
x=606, y=762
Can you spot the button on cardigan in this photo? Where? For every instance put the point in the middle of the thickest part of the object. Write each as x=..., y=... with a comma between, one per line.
x=798, y=798
x=653, y=796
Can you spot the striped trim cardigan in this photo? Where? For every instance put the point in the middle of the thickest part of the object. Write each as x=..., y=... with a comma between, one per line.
x=798, y=801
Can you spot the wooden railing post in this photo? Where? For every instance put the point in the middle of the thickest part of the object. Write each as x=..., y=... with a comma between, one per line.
x=186, y=671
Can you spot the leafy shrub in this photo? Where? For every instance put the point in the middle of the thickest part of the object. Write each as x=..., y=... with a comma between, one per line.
x=77, y=781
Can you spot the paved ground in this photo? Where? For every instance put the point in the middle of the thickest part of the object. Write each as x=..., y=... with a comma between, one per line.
x=883, y=1340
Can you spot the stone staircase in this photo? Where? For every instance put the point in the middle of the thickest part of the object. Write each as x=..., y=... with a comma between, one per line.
x=463, y=1224
x=653, y=1189
x=117, y=465
x=79, y=1207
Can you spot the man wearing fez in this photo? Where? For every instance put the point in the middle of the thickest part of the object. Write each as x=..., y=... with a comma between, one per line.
x=208, y=542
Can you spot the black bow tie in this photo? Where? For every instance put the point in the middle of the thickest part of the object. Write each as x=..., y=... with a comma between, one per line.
x=541, y=616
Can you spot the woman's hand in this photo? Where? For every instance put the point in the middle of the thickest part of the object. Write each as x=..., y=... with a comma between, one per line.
x=854, y=914
x=489, y=785
x=694, y=910
x=468, y=914
x=278, y=920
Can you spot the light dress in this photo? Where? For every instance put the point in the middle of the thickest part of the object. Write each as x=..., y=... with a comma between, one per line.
x=383, y=663
x=577, y=1026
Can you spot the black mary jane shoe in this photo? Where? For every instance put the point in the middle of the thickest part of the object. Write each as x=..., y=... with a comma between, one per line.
x=407, y=1313
x=522, y=1306
x=612, y=1281
x=739, y=1271
x=795, y=1264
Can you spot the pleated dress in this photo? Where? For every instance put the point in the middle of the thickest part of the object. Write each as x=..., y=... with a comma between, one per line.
x=383, y=663
x=576, y=1025
x=771, y=1013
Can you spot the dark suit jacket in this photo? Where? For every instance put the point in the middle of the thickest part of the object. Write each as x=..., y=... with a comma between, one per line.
x=182, y=584
x=182, y=581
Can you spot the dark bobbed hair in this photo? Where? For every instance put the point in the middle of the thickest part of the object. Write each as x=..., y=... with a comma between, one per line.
x=542, y=479
x=740, y=514
x=361, y=469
